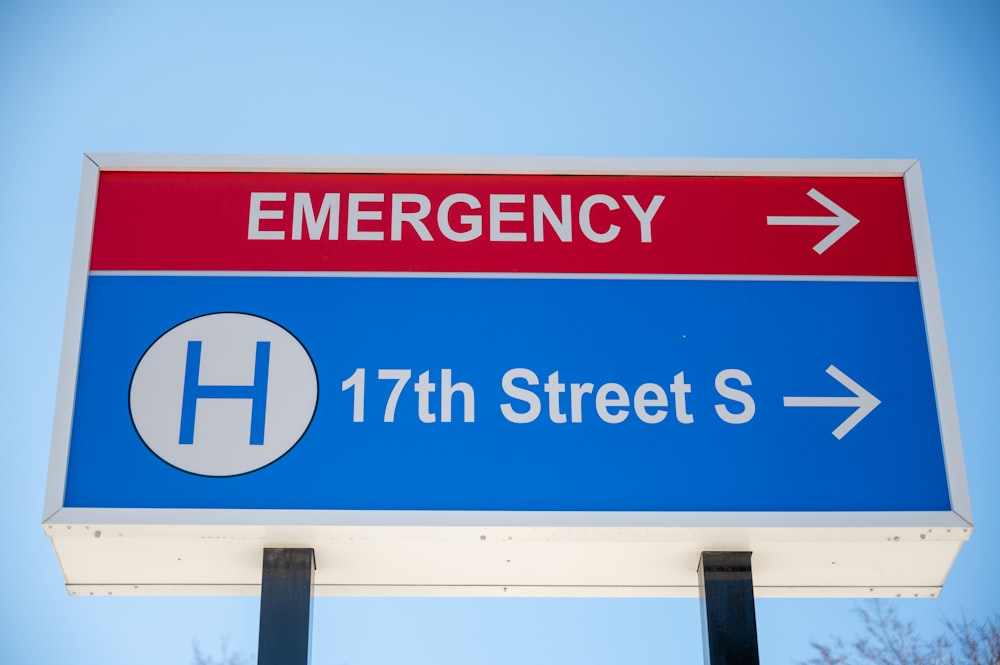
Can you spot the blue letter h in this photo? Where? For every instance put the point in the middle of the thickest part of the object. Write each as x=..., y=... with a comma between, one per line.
x=256, y=393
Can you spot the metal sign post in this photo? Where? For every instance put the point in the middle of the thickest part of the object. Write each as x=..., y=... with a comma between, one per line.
x=286, y=606
x=729, y=625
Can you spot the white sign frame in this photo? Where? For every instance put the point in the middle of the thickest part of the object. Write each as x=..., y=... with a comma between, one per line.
x=217, y=552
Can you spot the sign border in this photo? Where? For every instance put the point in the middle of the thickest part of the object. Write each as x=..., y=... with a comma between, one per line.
x=958, y=521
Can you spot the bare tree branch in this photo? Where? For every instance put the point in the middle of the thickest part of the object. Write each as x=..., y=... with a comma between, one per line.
x=888, y=640
x=225, y=657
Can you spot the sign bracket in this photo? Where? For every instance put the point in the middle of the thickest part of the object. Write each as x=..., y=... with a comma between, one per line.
x=286, y=594
x=729, y=624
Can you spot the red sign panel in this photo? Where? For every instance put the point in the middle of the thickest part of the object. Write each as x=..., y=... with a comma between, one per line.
x=601, y=224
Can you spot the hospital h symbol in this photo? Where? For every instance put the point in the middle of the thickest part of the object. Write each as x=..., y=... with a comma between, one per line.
x=256, y=393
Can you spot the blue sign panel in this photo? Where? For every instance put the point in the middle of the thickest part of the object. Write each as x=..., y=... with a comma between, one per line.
x=507, y=394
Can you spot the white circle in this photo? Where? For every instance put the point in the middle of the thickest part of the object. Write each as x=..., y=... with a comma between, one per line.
x=219, y=395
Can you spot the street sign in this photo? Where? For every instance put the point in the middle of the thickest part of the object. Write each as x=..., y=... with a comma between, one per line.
x=505, y=376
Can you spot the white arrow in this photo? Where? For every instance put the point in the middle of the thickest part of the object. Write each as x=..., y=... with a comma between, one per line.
x=863, y=401
x=843, y=220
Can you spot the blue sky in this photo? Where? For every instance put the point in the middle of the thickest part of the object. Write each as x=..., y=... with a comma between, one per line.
x=888, y=79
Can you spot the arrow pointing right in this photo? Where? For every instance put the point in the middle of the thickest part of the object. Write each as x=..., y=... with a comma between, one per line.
x=863, y=400
x=843, y=220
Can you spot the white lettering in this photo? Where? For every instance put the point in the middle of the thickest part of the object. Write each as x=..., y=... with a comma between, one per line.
x=356, y=382
x=424, y=387
x=604, y=401
x=474, y=223
x=562, y=225
x=507, y=216
x=401, y=377
x=587, y=227
x=355, y=214
x=414, y=218
x=448, y=389
x=522, y=394
x=576, y=393
x=329, y=211
x=643, y=403
x=554, y=389
x=680, y=391
x=735, y=395
x=645, y=217
x=498, y=215
x=254, y=232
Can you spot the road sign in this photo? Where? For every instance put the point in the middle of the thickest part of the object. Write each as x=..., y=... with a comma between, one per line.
x=536, y=376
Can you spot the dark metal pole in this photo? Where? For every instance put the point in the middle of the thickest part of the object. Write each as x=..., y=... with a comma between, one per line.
x=285, y=606
x=729, y=625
